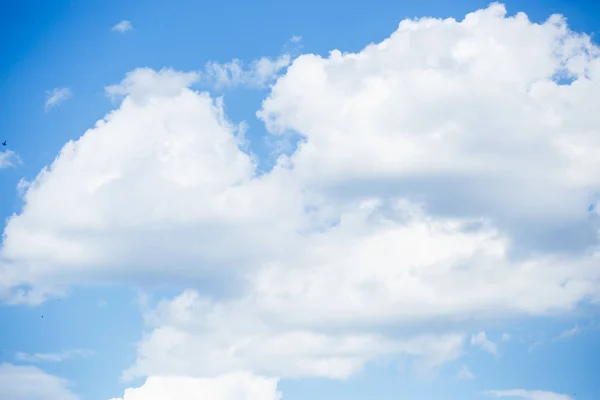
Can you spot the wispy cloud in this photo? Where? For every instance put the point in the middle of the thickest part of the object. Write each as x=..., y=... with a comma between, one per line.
x=480, y=340
x=122, y=27
x=465, y=373
x=506, y=337
x=56, y=96
x=527, y=394
x=259, y=73
x=8, y=158
x=569, y=333
x=53, y=357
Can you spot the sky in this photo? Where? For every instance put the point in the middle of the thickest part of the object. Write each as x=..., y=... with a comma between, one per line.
x=287, y=200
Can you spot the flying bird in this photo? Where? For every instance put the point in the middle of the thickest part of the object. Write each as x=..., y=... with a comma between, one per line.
x=4, y=143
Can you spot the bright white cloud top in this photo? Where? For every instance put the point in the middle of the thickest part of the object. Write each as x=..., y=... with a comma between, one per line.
x=436, y=173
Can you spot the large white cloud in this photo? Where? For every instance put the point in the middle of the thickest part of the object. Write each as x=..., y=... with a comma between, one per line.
x=241, y=386
x=31, y=383
x=158, y=186
x=464, y=115
x=444, y=176
x=192, y=336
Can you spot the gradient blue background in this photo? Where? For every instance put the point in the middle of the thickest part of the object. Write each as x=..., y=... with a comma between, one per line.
x=59, y=43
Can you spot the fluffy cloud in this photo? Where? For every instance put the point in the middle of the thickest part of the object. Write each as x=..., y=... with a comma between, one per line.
x=443, y=175
x=465, y=116
x=31, y=383
x=241, y=386
x=160, y=176
x=192, y=336
x=528, y=395
x=56, y=96
x=143, y=84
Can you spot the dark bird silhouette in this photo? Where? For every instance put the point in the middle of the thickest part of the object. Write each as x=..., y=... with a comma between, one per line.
x=4, y=143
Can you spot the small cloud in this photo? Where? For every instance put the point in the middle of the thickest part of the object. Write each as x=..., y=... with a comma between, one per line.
x=480, y=340
x=53, y=357
x=102, y=303
x=259, y=73
x=122, y=27
x=465, y=373
x=296, y=39
x=8, y=158
x=22, y=186
x=506, y=337
x=527, y=394
x=535, y=345
x=569, y=333
x=56, y=96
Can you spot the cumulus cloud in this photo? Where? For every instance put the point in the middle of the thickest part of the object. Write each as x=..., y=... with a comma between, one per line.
x=240, y=386
x=122, y=26
x=57, y=96
x=480, y=340
x=190, y=335
x=442, y=175
x=528, y=395
x=31, y=383
x=143, y=84
x=52, y=357
x=446, y=112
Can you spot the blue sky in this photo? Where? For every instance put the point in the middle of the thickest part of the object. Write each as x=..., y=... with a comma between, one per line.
x=402, y=221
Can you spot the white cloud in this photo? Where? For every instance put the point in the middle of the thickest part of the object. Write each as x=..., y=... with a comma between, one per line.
x=384, y=216
x=480, y=340
x=53, y=357
x=240, y=386
x=528, y=395
x=122, y=27
x=435, y=99
x=31, y=383
x=569, y=333
x=191, y=335
x=8, y=158
x=296, y=39
x=56, y=96
x=144, y=84
x=506, y=337
x=465, y=373
x=260, y=72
